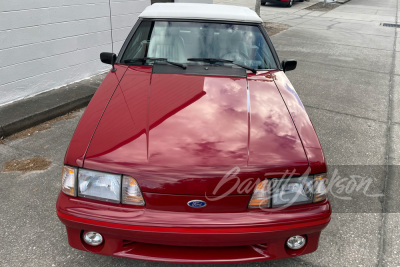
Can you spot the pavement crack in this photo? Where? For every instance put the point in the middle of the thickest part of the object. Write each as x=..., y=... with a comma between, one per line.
x=387, y=183
x=337, y=44
x=304, y=262
x=20, y=149
x=330, y=26
x=338, y=30
x=308, y=18
x=344, y=67
x=343, y=113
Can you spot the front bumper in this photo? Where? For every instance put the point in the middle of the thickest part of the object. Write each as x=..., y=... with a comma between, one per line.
x=192, y=237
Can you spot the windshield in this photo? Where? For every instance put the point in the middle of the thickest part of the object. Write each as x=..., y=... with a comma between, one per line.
x=179, y=41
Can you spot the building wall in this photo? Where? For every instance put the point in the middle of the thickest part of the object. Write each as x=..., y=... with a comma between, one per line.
x=45, y=44
x=247, y=3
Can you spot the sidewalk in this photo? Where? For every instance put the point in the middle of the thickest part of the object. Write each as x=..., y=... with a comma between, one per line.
x=348, y=79
x=29, y=112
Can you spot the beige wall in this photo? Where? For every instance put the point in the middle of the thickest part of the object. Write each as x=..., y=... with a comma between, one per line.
x=45, y=44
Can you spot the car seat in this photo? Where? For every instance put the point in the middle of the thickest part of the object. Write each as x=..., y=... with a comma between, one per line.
x=166, y=43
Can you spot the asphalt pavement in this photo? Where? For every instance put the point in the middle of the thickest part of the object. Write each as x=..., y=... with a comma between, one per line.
x=348, y=77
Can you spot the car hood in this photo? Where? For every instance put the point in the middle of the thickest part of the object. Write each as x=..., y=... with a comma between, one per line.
x=182, y=133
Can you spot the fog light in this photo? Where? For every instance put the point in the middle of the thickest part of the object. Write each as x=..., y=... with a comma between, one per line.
x=93, y=238
x=296, y=242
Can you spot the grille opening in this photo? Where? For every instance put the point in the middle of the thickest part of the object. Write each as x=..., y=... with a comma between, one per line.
x=391, y=25
x=127, y=243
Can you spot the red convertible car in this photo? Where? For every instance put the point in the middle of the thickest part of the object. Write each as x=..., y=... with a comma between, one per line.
x=195, y=148
x=286, y=3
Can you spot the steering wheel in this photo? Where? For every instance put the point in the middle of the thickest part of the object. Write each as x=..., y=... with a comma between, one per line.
x=235, y=56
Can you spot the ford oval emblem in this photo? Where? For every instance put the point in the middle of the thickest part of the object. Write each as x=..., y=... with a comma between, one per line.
x=197, y=203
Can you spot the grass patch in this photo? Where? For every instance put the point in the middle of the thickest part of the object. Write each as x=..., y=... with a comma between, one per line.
x=26, y=165
x=275, y=28
x=321, y=7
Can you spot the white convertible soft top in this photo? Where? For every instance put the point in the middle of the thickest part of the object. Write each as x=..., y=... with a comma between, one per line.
x=200, y=11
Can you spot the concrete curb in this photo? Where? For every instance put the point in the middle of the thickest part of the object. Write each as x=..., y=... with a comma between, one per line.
x=342, y=1
x=29, y=112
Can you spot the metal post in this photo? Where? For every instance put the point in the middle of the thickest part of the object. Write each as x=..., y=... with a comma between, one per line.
x=258, y=6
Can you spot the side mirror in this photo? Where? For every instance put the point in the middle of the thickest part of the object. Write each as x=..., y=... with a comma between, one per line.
x=288, y=65
x=108, y=58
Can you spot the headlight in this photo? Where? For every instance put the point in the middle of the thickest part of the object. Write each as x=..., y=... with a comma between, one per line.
x=287, y=192
x=99, y=185
x=292, y=191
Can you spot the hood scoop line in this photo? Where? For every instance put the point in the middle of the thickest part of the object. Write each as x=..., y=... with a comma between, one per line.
x=248, y=121
x=148, y=119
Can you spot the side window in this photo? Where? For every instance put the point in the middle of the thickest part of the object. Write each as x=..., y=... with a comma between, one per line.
x=139, y=44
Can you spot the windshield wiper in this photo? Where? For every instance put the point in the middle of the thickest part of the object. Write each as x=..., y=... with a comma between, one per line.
x=216, y=60
x=144, y=59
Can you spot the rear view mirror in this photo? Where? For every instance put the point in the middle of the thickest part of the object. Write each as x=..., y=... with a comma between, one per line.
x=288, y=65
x=109, y=58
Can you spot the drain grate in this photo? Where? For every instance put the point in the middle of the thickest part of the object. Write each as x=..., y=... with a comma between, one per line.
x=391, y=25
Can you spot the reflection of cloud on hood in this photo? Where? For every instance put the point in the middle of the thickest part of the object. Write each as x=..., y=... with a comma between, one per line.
x=290, y=88
x=274, y=138
x=198, y=121
x=209, y=131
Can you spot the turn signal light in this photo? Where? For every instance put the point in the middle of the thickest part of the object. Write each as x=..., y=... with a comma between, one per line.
x=260, y=197
x=68, y=183
x=320, y=187
x=131, y=193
